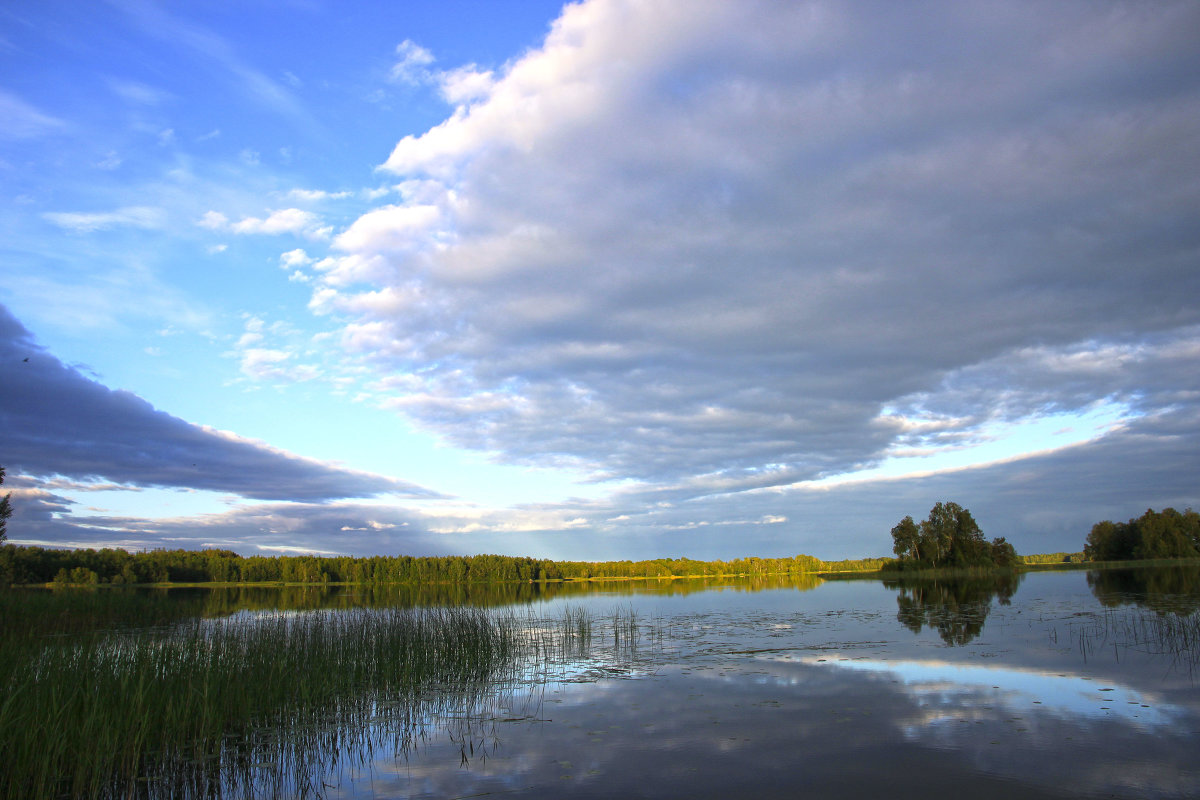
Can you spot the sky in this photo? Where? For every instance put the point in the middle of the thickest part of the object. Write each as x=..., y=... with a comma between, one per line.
x=615, y=279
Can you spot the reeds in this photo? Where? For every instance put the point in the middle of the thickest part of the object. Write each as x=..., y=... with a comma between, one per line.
x=238, y=705
x=1170, y=635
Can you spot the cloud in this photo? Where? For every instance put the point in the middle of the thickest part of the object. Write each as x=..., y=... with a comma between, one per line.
x=466, y=84
x=412, y=62
x=457, y=86
x=59, y=423
x=754, y=244
x=138, y=93
x=215, y=52
x=91, y=300
x=110, y=161
x=286, y=220
x=389, y=229
x=717, y=253
x=295, y=221
x=89, y=222
x=22, y=120
x=285, y=359
x=293, y=259
x=313, y=195
x=1043, y=504
x=264, y=528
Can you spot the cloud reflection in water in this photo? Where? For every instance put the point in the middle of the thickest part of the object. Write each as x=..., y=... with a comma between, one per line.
x=962, y=690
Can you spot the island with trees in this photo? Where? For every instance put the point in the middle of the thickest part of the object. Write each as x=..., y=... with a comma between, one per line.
x=948, y=537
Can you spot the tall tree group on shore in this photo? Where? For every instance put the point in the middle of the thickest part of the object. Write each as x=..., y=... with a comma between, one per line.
x=948, y=537
x=1155, y=534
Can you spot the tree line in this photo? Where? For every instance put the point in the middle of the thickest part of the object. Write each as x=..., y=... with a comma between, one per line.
x=35, y=565
x=5, y=509
x=1155, y=534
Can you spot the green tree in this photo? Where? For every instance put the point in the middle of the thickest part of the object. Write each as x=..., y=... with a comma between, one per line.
x=906, y=539
x=1003, y=553
x=938, y=531
x=5, y=510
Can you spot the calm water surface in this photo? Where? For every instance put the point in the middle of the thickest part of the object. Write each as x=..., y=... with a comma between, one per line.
x=1065, y=684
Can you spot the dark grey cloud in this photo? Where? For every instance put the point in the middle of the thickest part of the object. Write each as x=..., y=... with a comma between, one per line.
x=342, y=528
x=1045, y=503
x=54, y=421
x=779, y=230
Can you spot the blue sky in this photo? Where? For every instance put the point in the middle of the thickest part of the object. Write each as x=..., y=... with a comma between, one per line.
x=614, y=279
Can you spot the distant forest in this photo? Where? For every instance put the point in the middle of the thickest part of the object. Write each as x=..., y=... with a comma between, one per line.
x=35, y=565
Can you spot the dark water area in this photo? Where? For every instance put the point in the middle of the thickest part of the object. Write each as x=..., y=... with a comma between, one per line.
x=1055, y=685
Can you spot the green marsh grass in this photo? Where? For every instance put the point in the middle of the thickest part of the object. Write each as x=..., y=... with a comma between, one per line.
x=236, y=705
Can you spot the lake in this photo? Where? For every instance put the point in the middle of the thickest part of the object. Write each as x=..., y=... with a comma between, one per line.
x=1048, y=684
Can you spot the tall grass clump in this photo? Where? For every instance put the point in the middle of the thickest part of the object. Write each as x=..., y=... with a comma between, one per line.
x=244, y=705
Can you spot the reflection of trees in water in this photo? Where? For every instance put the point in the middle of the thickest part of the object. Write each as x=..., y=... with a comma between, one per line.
x=1150, y=610
x=955, y=607
x=221, y=601
x=1163, y=589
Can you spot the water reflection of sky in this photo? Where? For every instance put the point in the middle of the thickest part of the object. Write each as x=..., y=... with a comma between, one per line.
x=775, y=728
x=958, y=690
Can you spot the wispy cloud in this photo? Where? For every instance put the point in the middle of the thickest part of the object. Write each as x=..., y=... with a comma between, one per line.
x=215, y=50
x=137, y=92
x=23, y=120
x=88, y=222
x=412, y=63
